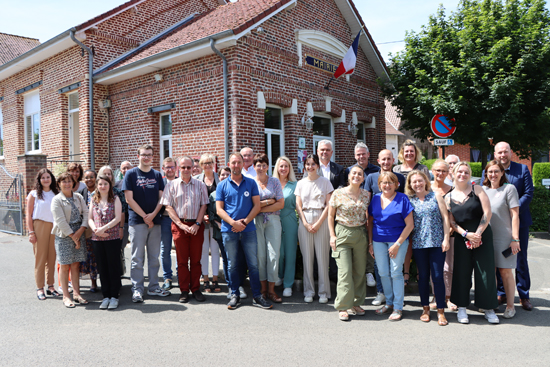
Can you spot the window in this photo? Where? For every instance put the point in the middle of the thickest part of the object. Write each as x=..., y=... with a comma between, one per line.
x=361, y=132
x=322, y=130
x=74, y=127
x=274, y=142
x=32, y=122
x=1, y=134
x=165, y=136
x=475, y=155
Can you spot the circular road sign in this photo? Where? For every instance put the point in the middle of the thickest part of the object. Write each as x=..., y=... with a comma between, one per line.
x=442, y=126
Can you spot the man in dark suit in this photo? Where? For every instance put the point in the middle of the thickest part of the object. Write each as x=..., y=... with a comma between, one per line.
x=518, y=175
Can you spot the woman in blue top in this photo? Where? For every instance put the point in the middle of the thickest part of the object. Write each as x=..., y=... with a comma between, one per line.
x=430, y=241
x=289, y=221
x=390, y=223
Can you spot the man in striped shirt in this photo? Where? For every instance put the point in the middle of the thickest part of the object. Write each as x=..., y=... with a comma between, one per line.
x=186, y=199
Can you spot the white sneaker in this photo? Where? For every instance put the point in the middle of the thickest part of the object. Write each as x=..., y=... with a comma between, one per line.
x=462, y=316
x=509, y=313
x=158, y=292
x=104, y=304
x=371, y=282
x=137, y=297
x=279, y=282
x=308, y=299
x=323, y=299
x=287, y=292
x=380, y=298
x=491, y=317
x=243, y=293
x=113, y=303
x=229, y=294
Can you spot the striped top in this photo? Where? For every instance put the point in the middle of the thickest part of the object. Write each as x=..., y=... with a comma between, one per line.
x=185, y=198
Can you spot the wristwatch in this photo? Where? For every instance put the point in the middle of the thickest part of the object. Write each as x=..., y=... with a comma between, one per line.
x=198, y=224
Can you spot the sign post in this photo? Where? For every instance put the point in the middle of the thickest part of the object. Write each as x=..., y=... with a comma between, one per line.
x=442, y=127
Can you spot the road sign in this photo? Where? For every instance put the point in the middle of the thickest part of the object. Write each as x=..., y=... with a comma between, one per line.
x=444, y=142
x=546, y=182
x=442, y=126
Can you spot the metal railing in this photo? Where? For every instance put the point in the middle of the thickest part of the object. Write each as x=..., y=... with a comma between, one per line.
x=11, y=202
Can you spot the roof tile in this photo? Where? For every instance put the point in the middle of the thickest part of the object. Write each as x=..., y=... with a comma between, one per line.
x=12, y=46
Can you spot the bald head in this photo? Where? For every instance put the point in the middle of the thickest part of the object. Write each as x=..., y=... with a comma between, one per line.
x=248, y=156
x=503, y=153
x=385, y=160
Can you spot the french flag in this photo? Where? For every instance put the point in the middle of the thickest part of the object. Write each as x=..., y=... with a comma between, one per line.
x=347, y=66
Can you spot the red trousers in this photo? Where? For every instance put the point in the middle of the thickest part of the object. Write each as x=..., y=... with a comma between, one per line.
x=188, y=255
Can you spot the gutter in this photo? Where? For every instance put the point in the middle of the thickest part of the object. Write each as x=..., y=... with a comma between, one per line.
x=225, y=101
x=90, y=95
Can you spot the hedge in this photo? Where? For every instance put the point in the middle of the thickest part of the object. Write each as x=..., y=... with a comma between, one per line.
x=540, y=171
x=540, y=208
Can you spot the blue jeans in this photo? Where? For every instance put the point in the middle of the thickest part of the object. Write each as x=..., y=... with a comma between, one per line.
x=166, y=246
x=430, y=260
x=247, y=243
x=379, y=288
x=391, y=272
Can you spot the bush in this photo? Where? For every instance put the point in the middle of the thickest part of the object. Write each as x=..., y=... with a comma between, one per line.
x=476, y=168
x=540, y=208
x=429, y=163
x=540, y=171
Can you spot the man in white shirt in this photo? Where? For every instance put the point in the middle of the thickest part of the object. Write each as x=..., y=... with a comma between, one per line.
x=452, y=160
x=332, y=171
x=248, y=166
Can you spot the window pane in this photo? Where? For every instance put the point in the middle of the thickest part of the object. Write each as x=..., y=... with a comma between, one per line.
x=28, y=131
x=36, y=132
x=321, y=126
x=166, y=149
x=73, y=101
x=275, y=148
x=166, y=125
x=272, y=118
x=360, y=131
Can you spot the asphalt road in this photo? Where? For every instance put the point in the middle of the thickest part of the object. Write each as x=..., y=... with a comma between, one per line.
x=165, y=332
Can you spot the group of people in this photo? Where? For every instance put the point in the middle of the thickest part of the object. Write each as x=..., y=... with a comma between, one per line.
x=357, y=226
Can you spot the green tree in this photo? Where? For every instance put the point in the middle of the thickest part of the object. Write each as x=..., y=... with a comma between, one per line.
x=487, y=66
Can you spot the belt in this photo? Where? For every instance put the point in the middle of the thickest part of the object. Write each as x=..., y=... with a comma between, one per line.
x=188, y=220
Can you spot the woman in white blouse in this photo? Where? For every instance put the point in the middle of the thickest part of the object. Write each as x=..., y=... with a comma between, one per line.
x=312, y=199
x=39, y=227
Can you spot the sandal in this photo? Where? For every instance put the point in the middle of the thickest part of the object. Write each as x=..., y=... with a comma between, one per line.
x=406, y=280
x=425, y=317
x=441, y=319
x=384, y=310
x=451, y=306
x=68, y=303
x=40, y=294
x=78, y=299
x=396, y=315
x=274, y=297
x=206, y=286
x=215, y=286
x=343, y=315
x=358, y=311
x=52, y=292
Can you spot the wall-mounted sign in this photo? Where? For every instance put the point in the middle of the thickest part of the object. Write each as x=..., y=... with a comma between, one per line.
x=442, y=126
x=321, y=65
x=301, y=143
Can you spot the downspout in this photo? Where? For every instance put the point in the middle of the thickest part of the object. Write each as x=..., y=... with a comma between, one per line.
x=225, y=102
x=90, y=95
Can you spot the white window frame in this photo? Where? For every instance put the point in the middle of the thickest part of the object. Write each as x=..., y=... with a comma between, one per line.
x=318, y=138
x=71, y=125
x=270, y=132
x=2, y=147
x=34, y=113
x=164, y=138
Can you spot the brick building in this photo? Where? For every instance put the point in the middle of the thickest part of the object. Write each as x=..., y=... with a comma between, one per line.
x=159, y=71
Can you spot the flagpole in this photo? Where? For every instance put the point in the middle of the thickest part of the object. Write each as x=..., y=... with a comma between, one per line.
x=328, y=84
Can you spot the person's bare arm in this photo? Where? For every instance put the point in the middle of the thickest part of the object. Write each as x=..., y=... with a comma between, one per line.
x=446, y=225
x=238, y=226
x=323, y=216
x=514, y=213
x=30, y=224
x=331, y=229
x=272, y=205
x=369, y=229
x=255, y=209
x=133, y=204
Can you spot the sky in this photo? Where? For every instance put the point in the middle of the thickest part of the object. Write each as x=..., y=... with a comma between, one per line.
x=387, y=21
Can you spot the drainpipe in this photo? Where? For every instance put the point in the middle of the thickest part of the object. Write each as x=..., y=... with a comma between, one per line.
x=225, y=102
x=90, y=95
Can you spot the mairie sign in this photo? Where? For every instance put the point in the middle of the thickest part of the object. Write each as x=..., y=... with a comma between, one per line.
x=320, y=64
x=442, y=126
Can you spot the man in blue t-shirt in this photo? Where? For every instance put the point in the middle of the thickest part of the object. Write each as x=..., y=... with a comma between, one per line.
x=143, y=187
x=237, y=204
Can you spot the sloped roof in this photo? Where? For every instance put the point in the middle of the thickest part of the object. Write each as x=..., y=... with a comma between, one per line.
x=12, y=46
x=235, y=16
x=391, y=116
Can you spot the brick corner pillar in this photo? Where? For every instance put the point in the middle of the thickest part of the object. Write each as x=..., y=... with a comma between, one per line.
x=29, y=165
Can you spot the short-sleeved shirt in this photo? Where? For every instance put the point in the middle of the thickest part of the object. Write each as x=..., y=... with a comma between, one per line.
x=313, y=193
x=145, y=187
x=237, y=200
x=417, y=167
x=42, y=208
x=502, y=200
x=350, y=212
x=185, y=198
x=388, y=224
x=428, y=223
x=371, y=183
x=273, y=190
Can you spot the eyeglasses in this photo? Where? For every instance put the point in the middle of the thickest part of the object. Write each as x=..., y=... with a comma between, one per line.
x=186, y=167
x=146, y=155
x=387, y=183
x=205, y=163
x=170, y=168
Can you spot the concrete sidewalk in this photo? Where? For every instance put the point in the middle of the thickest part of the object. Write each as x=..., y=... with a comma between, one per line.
x=162, y=331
